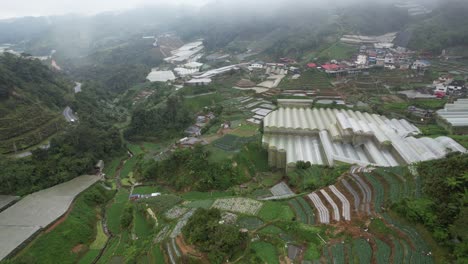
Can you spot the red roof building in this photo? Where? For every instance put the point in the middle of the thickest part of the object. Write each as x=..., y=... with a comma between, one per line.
x=330, y=67
x=312, y=65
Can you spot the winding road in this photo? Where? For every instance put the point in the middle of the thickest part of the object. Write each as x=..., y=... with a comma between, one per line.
x=69, y=115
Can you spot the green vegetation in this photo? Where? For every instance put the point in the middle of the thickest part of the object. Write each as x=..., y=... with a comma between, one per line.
x=232, y=143
x=275, y=210
x=78, y=229
x=162, y=115
x=315, y=177
x=192, y=169
x=441, y=208
x=309, y=80
x=338, y=51
x=266, y=251
x=442, y=30
x=218, y=241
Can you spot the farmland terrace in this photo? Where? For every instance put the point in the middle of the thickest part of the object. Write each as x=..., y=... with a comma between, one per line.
x=38, y=210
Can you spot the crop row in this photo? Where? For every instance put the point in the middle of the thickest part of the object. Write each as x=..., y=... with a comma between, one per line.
x=378, y=191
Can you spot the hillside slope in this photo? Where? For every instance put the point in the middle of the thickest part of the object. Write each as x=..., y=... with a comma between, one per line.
x=444, y=28
x=31, y=100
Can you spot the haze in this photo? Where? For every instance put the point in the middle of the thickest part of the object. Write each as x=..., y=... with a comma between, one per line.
x=21, y=8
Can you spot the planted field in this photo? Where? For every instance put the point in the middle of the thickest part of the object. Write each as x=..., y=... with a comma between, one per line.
x=309, y=80
x=114, y=211
x=200, y=204
x=275, y=211
x=362, y=251
x=101, y=237
x=146, y=190
x=378, y=191
x=307, y=209
x=338, y=253
x=271, y=229
x=238, y=205
x=383, y=252
x=266, y=251
x=142, y=227
x=249, y=222
x=298, y=211
x=128, y=167
x=232, y=143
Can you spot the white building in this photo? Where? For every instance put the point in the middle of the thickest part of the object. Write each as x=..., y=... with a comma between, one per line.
x=296, y=132
x=160, y=76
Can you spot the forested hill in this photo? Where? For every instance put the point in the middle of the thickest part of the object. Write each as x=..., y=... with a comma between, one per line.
x=31, y=100
x=446, y=27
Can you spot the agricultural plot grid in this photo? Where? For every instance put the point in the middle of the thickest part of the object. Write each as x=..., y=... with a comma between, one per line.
x=238, y=205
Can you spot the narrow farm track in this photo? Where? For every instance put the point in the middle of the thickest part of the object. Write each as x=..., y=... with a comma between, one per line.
x=336, y=211
x=357, y=200
x=346, y=208
x=324, y=215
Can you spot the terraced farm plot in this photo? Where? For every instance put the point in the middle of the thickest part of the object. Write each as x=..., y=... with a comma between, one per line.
x=249, y=222
x=275, y=211
x=383, y=252
x=238, y=205
x=298, y=211
x=338, y=253
x=378, y=192
x=266, y=251
x=232, y=143
x=362, y=251
x=310, y=79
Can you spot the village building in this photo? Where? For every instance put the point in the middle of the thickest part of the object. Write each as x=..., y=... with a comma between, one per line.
x=420, y=65
x=199, y=82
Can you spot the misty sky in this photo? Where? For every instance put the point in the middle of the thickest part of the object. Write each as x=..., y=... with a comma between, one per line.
x=19, y=8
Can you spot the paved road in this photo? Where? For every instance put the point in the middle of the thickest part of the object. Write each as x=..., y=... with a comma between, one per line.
x=69, y=115
x=77, y=87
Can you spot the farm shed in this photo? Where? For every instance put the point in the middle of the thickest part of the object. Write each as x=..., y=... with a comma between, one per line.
x=160, y=76
x=296, y=132
x=454, y=117
x=99, y=166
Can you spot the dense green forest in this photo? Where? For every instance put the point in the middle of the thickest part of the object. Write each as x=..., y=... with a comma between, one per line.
x=443, y=208
x=75, y=149
x=24, y=80
x=162, y=115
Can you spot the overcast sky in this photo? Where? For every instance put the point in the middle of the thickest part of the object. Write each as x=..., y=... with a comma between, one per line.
x=19, y=8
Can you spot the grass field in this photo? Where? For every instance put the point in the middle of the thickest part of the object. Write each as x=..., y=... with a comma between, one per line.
x=111, y=167
x=246, y=130
x=115, y=210
x=157, y=255
x=310, y=79
x=146, y=189
x=135, y=149
x=101, y=237
x=90, y=256
x=200, y=204
x=128, y=167
x=338, y=51
x=266, y=251
x=191, y=196
x=274, y=211
x=196, y=104
x=141, y=225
